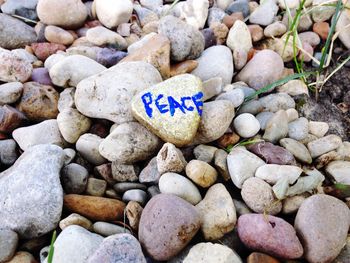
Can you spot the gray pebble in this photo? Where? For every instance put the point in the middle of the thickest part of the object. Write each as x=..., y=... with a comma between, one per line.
x=74, y=178
x=135, y=195
x=8, y=244
x=107, y=229
x=121, y=188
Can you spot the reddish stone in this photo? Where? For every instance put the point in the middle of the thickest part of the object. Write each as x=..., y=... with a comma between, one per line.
x=230, y=20
x=10, y=119
x=228, y=139
x=256, y=32
x=44, y=50
x=105, y=171
x=322, y=29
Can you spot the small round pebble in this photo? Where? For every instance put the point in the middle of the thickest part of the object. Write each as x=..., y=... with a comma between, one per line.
x=246, y=125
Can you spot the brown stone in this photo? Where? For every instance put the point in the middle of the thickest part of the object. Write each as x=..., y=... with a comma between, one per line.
x=257, y=257
x=44, y=50
x=322, y=29
x=23, y=257
x=10, y=119
x=220, y=32
x=230, y=20
x=256, y=32
x=156, y=52
x=95, y=208
x=183, y=67
x=38, y=102
x=228, y=139
x=133, y=213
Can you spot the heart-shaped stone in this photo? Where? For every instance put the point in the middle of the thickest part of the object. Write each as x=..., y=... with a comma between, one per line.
x=171, y=109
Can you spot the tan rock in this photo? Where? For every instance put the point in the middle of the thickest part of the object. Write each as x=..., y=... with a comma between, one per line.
x=75, y=219
x=201, y=173
x=133, y=212
x=183, y=67
x=22, y=257
x=58, y=35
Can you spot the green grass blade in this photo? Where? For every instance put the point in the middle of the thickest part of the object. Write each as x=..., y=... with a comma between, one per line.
x=51, y=251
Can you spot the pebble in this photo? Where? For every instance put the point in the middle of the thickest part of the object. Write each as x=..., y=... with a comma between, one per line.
x=109, y=57
x=298, y=149
x=216, y=118
x=118, y=248
x=170, y=159
x=272, y=154
x=215, y=15
x=123, y=187
x=238, y=6
x=277, y=127
x=8, y=152
x=50, y=13
x=150, y=173
x=269, y=234
x=108, y=94
x=343, y=21
x=75, y=219
x=195, y=13
x=58, y=35
x=264, y=14
x=292, y=204
x=29, y=136
x=217, y=220
x=124, y=172
x=272, y=173
x=8, y=244
x=44, y=50
x=101, y=36
x=96, y=187
x=253, y=106
x=239, y=37
x=22, y=257
x=128, y=143
x=112, y=13
x=292, y=114
x=14, y=68
x=264, y=68
x=186, y=42
x=306, y=183
x=183, y=67
x=220, y=163
x=257, y=257
x=322, y=29
x=313, y=225
x=37, y=212
x=216, y=61
x=75, y=244
x=321, y=12
x=246, y=125
x=294, y=87
x=242, y=165
x=275, y=29
x=135, y=195
x=15, y=33
x=263, y=118
x=74, y=178
x=176, y=184
x=256, y=32
x=41, y=75
x=201, y=173
x=298, y=129
x=323, y=145
x=339, y=170
x=209, y=252
x=258, y=196
x=204, y=153
x=108, y=229
x=10, y=92
x=133, y=212
x=69, y=71
x=345, y=253
x=318, y=128
x=10, y=119
x=22, y=8
x=94, y=207
x=277, y=101
x=236, y=96
x=87, y=146
x=177, y=223
x=38, y=102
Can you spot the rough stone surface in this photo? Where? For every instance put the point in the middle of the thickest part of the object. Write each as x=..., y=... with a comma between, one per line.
x=14, y=68
x=201, y=173
x=8, y=244
x=324, y=145
x=88, y=145
x=298, y=149
x=112, y=13
x=10, y=92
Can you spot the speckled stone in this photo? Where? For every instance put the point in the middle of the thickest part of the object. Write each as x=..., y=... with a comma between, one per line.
x=176, y=124
x=8, y=244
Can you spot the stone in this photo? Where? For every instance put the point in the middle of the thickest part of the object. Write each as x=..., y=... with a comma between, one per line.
x=173, y=122
x=66, y=14
x=8, y=152
x=69, y=71
x=94, y=207
x=292, y=204
x=294, y=87
x=275, y=29
x=14, y=68
x=220, y=163
x=271, y=173
x=109, y=57
x=119, y=247
x=39, y=211
x=177, y=223
x=183, y=67
x=239, y=37
x=204, y=153
x=74, y=178
x=66, y=99
x=217, y=220
x=108, y=95
x=272, y=154
x=29, y=136
x=22, y=8
x=75, y=219
x=101, y=36
x=325, y=159
x=269, y=234
x=339, y=170
x=108, y=229
x=228, y=139
x=216, y=118
x=15, y=33
x=322, y=29
x=121, y=188
x=236, y=96
x=96, y=187
x=313, y=224
x=133, y=212
x=252, y=106
x=341, y=28
x=113, y=13
x=124, y=172
x=277, y=127
x=277, y=101
x=44, y=50
x=321, y=12
x=22, y=257
x=215, y=15
x=238, y=6
x=256, y=32
x=298, y=149
x=150, y=173
x=209, y=252
x=129, y=143
x=58, y=35
x=298, y=129
x=8, y=244
x=216, y=61
x=38, y=102
x=72, y=124
x=201, y=173
x=292, y=114
x=318, y=128
x=344, y=254
x=195, y=13
x=170, y=159
x=136, y=195
x=186, y=41
x=257, y=257
x=10, y=119
x=263, y=118
x=306, y=183
x=246, y=125
x=258, y=196
x=75, y=244
x=87, y=145
x=152, y=4
x=264, y=68
x=156, y=51
x=242, y=165
x=324, y=145
x=176, y=184
x=264, y=14
x=10, y=92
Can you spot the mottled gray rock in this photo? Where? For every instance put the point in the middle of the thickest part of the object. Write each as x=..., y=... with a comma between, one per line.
x=39, y=211
x=74, y=178
x=96, y=187
x=125, y=172
x=298, y=149
x=276, y=102
x=108, y=229
x=277, y=127
x=306, y=183
x=204, y=153
x=87, y=145
x=298, y=129
x=324, y=145
x=8, y=244
x=236, y=96
x=8, y=152
x=136, y=195
x=150, y=173
x=252, y=107
x=264, y=14
x=212, y=87
x=123, y=187
x=263, y=118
